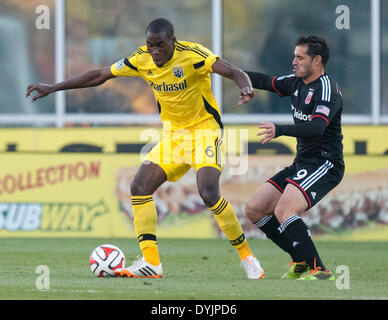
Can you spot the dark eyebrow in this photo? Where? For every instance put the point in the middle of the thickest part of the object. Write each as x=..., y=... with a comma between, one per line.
x=158, y=43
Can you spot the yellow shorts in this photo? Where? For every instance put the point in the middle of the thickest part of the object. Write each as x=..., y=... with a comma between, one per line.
x=195, y=147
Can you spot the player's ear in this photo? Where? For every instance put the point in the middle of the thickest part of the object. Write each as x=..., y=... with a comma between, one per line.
x=317, y=60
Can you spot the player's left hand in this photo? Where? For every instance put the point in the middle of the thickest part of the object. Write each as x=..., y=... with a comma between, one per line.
x=246, y=94
x=268, y=133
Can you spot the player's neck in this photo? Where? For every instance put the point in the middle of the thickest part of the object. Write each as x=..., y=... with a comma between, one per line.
x=169, y=58
x=314, y=76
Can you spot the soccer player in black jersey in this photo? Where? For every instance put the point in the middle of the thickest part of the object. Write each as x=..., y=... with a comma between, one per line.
x=316, y=105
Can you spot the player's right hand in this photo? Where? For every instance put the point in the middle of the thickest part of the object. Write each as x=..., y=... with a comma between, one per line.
x=269, y=131
x=246, y=94
x=41, y=88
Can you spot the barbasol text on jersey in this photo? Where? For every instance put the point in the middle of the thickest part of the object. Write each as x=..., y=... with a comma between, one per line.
x=168, y=87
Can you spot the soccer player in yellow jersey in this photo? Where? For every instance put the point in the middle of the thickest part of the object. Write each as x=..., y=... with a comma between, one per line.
x=179, y=74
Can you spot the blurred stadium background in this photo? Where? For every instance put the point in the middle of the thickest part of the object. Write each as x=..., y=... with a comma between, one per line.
x=67, y=159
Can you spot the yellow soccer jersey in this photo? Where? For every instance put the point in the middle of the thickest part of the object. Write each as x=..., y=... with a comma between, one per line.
x=182, y=87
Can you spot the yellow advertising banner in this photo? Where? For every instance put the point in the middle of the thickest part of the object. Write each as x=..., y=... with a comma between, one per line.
x=372, y=140
x=80, y=195
x=75, y=183
x=87, y=195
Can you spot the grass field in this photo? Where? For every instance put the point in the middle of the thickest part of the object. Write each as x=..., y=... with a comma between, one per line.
x=193, y=269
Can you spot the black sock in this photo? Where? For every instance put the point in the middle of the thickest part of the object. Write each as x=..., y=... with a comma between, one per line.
x=269, y=225
x=297, y=231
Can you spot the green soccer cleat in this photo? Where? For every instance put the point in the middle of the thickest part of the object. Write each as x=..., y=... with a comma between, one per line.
x=296, y=269
x=318, y=274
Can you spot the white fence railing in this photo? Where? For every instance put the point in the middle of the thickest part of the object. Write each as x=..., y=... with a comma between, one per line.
x=60, y=117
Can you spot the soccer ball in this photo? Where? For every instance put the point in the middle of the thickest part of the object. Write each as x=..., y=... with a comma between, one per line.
x=105, y=259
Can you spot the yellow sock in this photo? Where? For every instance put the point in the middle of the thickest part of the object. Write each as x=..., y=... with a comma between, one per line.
x=229, y=224
x=244, y=250
x=144, y=220
x=151, y=254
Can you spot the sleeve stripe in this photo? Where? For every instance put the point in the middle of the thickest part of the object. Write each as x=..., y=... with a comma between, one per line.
x=199, y=64
x=199, y=52
x=129, y=65
x=326, y=88
x=140, y=51
x=319, y=116
x=181, y=47
x=273, y=86
x=202, y=51
x=323, y=90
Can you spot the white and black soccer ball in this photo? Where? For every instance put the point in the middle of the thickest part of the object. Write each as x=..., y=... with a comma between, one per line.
x=105, y=259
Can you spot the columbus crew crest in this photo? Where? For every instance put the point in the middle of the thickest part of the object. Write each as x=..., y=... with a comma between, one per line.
x=177, y=71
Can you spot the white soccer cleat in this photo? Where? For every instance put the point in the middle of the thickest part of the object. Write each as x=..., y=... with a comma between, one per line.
x=252, y=267
x=140, y=269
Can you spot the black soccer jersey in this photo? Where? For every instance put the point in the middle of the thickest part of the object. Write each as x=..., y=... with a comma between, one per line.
x=318, y=103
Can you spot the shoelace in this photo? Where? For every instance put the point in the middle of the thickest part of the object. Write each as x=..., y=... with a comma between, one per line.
x=316, y=269
x=313, y=271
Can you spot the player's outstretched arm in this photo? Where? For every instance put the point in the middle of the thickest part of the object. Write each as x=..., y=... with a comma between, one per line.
x=260, y=80
x=88, y=79
x=230, y=71
x=313, y=128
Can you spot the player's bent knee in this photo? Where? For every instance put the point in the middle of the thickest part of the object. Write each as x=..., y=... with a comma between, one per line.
x=254, y=212
x=138, y=189
x=209, y=196
x=282, y=213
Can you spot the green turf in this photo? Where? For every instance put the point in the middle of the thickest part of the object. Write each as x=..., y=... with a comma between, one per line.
x=193, y=269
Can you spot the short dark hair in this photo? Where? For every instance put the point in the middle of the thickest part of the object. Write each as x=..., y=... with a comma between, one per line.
x=317, y=46
x=161, y=25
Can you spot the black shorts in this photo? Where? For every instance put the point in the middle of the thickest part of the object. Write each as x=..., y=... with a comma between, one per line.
x=313, y=177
